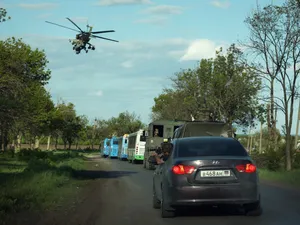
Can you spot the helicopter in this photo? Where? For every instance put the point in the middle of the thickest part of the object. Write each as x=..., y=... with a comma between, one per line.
x=82, y=40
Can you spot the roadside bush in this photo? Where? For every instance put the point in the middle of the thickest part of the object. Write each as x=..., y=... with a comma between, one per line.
x=36, y=185
x=270, y=160
x=296, y=160
x=29, y=154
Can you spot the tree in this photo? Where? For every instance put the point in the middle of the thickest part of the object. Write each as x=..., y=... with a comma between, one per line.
x=233, y=88
x=125, y=123
x=20, y=68
x=275, y=37
x=3, y=15
x=37, y=111
x=168, y=105
x=223, y=89
x=69, y=124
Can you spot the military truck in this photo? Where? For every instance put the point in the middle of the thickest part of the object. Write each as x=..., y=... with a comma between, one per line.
x=202, y=128
x=165, y=131
x=158, y=132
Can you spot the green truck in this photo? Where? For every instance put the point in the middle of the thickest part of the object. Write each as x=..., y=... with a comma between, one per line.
x=165, y=130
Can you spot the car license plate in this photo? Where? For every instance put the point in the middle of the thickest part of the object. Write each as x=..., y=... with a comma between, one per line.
x=215, y=173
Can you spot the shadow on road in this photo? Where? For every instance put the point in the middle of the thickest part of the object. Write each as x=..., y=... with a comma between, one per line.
x=209, y=211
x=98, y=174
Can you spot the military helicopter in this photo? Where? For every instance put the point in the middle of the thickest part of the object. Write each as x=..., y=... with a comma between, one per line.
x=82, y=40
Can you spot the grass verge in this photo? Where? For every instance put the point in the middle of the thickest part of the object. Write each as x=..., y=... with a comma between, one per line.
x=291, y=178
x=37, y=180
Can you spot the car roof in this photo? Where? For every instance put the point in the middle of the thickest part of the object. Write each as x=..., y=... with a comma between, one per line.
x=206, y=138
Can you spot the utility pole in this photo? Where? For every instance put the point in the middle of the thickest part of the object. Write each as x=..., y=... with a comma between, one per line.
x=260, y=138
x=93, y=136
x=297, y=127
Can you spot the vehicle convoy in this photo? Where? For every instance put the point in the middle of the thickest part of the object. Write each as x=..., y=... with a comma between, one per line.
x=123, y=146
x=114, y=147
x=206, y=171
x=165, y=130
x=136, y=146
x=106, y=147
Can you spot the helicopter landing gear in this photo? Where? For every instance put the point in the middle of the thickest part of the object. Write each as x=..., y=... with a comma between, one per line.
x=91, y=46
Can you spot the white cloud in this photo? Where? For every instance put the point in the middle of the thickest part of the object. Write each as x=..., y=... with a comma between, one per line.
x=221, y=4
x=199, y=49
x=122, y=2
x=164, y=9
x=127, y=64
x=38, y=5
x=99, y=93
x=156, y=20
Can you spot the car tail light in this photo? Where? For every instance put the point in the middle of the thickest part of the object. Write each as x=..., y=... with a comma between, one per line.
x=182, y=169
x=246, y=168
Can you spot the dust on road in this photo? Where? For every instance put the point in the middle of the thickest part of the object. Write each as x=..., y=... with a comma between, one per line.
x=121, y=193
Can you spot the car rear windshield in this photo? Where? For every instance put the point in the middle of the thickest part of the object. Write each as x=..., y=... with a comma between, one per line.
x=209, y=147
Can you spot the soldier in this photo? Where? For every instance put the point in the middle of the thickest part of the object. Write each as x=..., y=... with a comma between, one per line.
x=166, y=151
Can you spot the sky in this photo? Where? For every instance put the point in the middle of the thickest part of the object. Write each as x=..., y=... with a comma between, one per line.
x=156, y=39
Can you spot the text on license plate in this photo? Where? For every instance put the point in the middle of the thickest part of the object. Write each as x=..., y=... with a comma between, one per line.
x=215, y=173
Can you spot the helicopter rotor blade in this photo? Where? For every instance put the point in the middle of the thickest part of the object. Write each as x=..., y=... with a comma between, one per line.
x=104, y=38
x=75, y=24
x=103, y=31
x=61, y=26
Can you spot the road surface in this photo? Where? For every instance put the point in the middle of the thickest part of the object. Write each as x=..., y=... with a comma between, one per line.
x=121, y=193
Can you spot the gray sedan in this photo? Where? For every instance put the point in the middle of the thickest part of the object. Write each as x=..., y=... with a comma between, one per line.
x=206, y=171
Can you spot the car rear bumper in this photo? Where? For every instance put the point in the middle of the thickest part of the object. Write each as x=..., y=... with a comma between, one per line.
x=213, y=195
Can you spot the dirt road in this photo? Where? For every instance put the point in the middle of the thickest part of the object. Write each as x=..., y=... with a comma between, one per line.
x=121, y=194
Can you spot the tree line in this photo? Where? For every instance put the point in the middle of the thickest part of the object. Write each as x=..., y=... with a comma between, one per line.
x=29, y=116
x=238, y=86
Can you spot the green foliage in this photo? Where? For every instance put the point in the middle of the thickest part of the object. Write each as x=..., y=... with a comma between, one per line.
x=24, y=101
x=3, y=15
x=19, y=60
x=223, y=88
x=125, y=123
